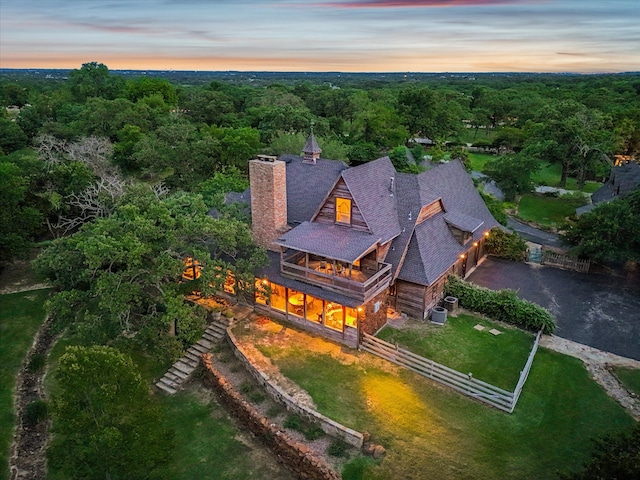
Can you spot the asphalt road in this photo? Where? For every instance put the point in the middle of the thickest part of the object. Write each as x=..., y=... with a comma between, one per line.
x=596, y=310
x=534, y=235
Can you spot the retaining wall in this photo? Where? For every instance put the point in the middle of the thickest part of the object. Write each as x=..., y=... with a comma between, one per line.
x=327, y=425
x=290, y=453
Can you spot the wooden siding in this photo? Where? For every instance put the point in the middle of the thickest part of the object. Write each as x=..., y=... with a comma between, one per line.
x=429, y=211
x=410, y=298
x=327, y=213
x=383, y=250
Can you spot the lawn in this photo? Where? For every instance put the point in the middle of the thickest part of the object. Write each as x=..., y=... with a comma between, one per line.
x=548, y=211
x=430, y=431
x=494, y=359
x=550, y=173
x=477, y=161
x=630, y=378
x=22, y=314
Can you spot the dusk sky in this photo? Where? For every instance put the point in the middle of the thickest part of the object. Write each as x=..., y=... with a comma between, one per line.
x=324, y=35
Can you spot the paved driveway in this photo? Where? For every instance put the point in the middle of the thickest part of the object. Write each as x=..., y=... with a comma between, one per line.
x=597, y=310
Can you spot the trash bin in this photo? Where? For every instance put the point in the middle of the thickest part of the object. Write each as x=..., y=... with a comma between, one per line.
x=450, y=303
x=439, y=315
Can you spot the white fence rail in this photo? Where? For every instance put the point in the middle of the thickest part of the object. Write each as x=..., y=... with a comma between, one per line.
x=463, y=383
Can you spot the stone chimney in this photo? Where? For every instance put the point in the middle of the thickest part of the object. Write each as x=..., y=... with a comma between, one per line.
x=311, y=151
x=268, y=183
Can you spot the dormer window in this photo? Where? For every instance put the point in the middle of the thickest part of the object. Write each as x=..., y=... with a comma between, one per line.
x=343, y=210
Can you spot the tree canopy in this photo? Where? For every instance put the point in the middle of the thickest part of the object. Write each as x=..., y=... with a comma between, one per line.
x=107, y=425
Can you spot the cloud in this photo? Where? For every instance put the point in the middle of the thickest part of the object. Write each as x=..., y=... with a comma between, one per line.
x=415, y=3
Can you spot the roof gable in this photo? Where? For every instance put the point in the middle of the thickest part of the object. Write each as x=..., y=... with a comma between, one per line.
x=372, y=186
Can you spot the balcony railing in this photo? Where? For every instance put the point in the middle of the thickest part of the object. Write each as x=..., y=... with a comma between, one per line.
x=362, y=285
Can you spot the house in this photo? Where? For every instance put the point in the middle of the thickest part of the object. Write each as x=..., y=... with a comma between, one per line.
x=624, y=179
x=347, y=243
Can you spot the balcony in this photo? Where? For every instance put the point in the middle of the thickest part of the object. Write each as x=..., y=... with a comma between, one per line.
x=362, y=282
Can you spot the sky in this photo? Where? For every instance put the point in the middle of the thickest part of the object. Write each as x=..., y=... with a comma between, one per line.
x=582, y=36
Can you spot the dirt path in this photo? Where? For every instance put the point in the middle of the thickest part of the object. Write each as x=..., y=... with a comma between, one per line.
x=599, y=364
x=28, y=459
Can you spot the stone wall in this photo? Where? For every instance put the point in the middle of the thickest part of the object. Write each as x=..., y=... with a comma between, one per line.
x=372, y=321
x=327, y=425
x=290, y=453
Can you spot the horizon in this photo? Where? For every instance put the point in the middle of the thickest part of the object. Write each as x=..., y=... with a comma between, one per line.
x=342, y=36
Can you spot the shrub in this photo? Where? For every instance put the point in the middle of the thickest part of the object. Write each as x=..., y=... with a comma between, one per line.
x=506, y=245
x=36, y=363
x=502, y=305
x=297, y=423
x=338, y=448
x=36, y=412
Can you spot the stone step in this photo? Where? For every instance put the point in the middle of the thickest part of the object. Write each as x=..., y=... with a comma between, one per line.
x=171, y=376
x=190, y=361
x=192, y=356
x=210, y=337
x=185, y=367
x=198, y=349
x=205, y=343
x=166, y=388
x=181, y=370
x=171, y=383
x=217, y=327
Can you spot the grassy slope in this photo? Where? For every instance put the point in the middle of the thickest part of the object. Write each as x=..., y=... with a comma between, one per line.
x=550, y=173
x=20, y=316
x=493, y=359
x=548, y=211
x=630, y=378
x=477, y=161
x=432, y=432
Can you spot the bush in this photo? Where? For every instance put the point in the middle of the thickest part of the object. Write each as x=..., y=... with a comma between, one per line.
x=36, y=363
x=496, y=207
x=36, y=412
x=506, y=245
x=502, y=305
x=297, y=423
x=338, y=448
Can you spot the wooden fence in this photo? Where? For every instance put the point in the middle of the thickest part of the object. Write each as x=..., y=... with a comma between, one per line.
x=463, y=383
x=562, y=260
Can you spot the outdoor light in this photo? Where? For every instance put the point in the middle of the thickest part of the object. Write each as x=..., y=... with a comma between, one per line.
x=486, y=234
x=359, y=309
x=264, y=282
x=462, y=255
x=475, y=244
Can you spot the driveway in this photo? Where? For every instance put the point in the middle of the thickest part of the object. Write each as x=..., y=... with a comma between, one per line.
x=596, y=310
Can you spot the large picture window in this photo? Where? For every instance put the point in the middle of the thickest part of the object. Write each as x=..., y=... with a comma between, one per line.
x=343, y=210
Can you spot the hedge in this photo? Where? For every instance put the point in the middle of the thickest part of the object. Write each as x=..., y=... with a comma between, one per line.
x=502, y=305
x=506, y=245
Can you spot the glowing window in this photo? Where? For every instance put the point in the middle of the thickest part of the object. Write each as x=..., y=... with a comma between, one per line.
x=343, y=210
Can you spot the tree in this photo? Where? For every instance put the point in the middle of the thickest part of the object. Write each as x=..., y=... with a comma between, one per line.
x=614, y=457
x=512, y=173
x=106, y=425
x=19, y=221
x=12, y=137
x=611, y=232
x=94, y=80
x=120, y=275
x=145, y=87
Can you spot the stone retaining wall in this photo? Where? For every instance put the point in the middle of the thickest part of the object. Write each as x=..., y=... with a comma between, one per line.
x=290, y=453
x=327, y=425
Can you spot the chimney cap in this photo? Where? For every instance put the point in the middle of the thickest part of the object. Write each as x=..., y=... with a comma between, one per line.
x=267, y=158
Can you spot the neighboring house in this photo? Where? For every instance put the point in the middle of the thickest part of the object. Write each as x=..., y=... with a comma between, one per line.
x=346, y=243
x=623, y=180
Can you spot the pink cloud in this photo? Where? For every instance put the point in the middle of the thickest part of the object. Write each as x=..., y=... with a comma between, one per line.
x=413, y=3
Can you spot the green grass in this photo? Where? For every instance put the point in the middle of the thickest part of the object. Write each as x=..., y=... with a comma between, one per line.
x=548, y=211
x=550, y=174
x=494, y=359
x=477, y=161
x=630, y=378
x=22, y=314
x=208, y=444
x=432, y=432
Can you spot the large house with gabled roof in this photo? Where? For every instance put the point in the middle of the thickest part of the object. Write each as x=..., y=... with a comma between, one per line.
x=348, y=244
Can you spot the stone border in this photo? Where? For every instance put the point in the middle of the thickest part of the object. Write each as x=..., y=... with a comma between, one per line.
x=295, y=456
x=328, y=426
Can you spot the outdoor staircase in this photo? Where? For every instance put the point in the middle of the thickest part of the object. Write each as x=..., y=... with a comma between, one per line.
x=182, y=369
x=535, y=253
